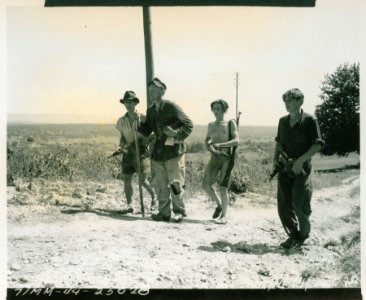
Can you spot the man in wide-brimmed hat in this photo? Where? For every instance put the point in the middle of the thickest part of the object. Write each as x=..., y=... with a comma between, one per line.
x=127, y=125
x=170, y=126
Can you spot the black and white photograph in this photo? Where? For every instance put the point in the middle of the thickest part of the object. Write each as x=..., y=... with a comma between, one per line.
x=181, y=147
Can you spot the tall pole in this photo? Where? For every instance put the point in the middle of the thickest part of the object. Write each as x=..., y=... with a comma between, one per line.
x=148, y=50
x=237, y=84
x=238, y=113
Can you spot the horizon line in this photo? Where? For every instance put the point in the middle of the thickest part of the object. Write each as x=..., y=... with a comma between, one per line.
x=102, y=123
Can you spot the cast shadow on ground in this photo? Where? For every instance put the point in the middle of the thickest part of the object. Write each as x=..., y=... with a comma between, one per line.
x=121, y=215
x=114, y=214
x=245, y=248
x=335, y=170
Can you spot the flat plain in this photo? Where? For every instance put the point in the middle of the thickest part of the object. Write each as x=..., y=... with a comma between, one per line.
x=65, y=230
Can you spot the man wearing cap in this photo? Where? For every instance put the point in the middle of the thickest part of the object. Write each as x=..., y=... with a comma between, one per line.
x=298, y=139
x=170, y=126
x=127, y=126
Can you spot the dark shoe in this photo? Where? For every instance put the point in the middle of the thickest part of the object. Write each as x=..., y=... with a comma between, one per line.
x=217, y=212
x=301, y=238
x=160, y=217
x=301, y=241
x=296, y=246
x=289, y=243
x=221, y=221
x=178, y=218
x=180, y=212
x=128, y=210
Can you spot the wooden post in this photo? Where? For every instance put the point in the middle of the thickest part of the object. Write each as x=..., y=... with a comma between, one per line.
x=148, y=50
x=237, y=112
x=236, y=100
x=138, y=164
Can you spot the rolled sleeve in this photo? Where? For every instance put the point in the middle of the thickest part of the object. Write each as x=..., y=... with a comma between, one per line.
x=277, y=138
x=315, y=132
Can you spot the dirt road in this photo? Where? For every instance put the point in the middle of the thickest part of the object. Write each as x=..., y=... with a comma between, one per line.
x=53, y=241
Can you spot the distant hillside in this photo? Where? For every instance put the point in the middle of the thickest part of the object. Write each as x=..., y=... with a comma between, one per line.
x=48, y=130
x=57, y=119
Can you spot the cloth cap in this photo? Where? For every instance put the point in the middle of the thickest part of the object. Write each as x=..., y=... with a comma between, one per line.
x=156, y=81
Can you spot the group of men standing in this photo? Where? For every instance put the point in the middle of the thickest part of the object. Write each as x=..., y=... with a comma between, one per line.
x=164, y=129
x=161, y=134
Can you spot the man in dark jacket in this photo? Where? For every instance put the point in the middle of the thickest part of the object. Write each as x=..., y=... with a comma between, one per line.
x=298, y=139
x=169, y=126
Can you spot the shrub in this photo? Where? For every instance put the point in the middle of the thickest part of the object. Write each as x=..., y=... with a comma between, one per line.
x=339, y=114
x=196, y=147
x=61, y=163
x=240, y=182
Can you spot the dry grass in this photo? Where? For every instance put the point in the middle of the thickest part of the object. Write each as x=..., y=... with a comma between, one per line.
x=348, y=247
x=79, y=152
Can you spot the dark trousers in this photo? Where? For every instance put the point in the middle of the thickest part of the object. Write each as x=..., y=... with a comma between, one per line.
x=293, y=203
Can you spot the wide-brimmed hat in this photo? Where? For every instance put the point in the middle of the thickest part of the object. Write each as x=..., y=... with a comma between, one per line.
x=156, y=81
x=129, y=95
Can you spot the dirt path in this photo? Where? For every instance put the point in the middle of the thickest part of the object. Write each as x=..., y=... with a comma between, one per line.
x=63, y=246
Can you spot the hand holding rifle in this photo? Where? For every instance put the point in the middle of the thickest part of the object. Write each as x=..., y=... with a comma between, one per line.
x=296, y=166
x=119, y=151
x=276, y=168
x=215, y=149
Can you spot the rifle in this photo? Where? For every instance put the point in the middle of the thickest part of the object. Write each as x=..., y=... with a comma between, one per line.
x=233, y=154
x=231, y=165
x=281, y=165
x=120, y=151
x=238, y=119
x=115, y=153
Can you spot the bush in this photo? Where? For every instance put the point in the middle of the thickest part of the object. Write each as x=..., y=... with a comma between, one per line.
x=87, y=160
x=60, y=163
x=196, y=147
x=339, y=114
x=240, y=182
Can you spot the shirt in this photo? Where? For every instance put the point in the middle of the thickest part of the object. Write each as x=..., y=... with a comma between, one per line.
x=296, y=140
x=126, y=129
x=168, y=114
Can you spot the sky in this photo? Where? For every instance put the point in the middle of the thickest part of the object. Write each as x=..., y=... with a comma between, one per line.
x=79, y=61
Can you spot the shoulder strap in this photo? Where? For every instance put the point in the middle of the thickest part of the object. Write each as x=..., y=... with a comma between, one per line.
x=230, y=127
x=233, y=149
